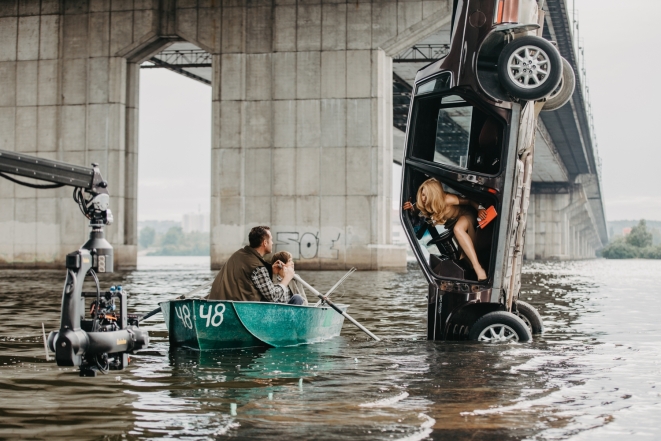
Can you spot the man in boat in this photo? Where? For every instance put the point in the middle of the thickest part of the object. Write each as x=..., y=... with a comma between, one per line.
x=247, y=277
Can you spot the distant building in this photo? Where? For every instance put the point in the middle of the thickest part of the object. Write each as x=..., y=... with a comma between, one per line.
x=626, y=231
x=199, y=222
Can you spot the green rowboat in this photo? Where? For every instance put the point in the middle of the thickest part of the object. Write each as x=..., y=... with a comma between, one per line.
x=222, y=324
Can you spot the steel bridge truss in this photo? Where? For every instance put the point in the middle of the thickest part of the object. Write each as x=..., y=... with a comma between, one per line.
x=422, y=53
x=180, y=60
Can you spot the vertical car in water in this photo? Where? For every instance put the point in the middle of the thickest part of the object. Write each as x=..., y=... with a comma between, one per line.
x=471, y=126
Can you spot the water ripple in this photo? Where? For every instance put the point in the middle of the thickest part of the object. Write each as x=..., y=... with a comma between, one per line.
x=594, y=374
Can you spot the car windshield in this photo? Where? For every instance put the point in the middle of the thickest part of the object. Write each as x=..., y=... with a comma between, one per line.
x=449, y=130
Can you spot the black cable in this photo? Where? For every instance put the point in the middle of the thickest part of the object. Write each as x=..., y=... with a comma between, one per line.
x=98, y=298
x=27, y=184
x=80, y=200
x=103, y=370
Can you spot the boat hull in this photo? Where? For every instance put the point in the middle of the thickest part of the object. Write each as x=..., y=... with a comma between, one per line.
x=209, y=325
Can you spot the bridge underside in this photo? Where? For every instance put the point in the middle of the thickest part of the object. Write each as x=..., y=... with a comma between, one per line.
x=302, y=89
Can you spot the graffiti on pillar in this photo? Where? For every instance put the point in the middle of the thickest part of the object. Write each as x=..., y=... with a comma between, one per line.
x=306, y=245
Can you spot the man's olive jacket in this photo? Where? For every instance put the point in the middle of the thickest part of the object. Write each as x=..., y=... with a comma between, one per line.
x=233, y=282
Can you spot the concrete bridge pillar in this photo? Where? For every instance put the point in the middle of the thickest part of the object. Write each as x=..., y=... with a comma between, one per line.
x=560, y=223
x=66, y=94
x=303, y=127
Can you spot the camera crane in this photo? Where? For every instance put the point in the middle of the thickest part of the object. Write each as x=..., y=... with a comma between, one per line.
x=103, y=341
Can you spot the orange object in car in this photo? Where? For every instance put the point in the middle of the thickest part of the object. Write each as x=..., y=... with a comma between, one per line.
x=499, y=12
x=491, y=215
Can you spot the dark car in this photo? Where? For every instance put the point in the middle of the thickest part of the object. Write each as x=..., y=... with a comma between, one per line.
x=472, y=127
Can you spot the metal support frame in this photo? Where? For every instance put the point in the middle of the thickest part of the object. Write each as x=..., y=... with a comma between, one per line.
x=180, y=60
x=401, y=100
x=422, y=53
x=187, y=58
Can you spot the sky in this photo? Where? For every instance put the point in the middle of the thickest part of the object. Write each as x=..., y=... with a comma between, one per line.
x=621, y=41
x=621, y=50
x=174, y=171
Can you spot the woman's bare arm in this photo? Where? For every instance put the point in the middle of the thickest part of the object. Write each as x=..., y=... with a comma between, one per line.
x=453, y=199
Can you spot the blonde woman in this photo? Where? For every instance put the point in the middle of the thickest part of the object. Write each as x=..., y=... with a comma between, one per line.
x=296, y=294
x=445, y=208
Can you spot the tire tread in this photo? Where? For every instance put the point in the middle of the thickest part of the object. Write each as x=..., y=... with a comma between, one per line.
x=502, y=317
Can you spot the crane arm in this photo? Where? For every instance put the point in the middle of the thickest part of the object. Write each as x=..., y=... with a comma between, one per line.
x=91, y=192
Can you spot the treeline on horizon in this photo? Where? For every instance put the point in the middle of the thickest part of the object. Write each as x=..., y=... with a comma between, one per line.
x=638, y=244
x=174, y=242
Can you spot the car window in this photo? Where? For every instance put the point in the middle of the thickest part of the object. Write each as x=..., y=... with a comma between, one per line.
x=453, y=127
x=449, y=130
x=434, y=85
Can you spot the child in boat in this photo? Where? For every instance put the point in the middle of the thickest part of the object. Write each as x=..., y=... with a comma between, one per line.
x=458, y=213
x=295, y=288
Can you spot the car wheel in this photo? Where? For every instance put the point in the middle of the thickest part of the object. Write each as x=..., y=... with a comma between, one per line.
x=529, y=68
x=564, y=91
x=499, y=326
x=530, y=317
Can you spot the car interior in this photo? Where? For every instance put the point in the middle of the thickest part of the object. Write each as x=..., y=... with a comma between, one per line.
x=445, y=256
x=454, y=135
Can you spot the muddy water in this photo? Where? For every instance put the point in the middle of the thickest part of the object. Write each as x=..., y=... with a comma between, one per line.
x=595, y=374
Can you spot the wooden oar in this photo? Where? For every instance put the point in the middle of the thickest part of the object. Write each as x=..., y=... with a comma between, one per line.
x=330, y=291
x=183, y=296
x=332, y=305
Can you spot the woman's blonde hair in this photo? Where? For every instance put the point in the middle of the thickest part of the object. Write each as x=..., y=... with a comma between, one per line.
x=282, y=256
x=434, y=206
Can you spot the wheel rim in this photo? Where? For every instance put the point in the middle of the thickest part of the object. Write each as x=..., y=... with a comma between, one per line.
x=529, y=67
x=498, y=333
x=525, y=320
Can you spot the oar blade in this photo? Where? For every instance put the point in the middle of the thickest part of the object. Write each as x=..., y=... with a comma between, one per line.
x=332, y=305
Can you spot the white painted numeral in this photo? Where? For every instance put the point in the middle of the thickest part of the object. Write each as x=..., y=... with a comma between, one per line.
x=207, y=315
x=184, y=315
x=218, y=314
x=217, y=318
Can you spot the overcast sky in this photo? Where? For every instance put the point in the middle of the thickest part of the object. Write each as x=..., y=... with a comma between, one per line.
x=621, y=46
x=621, y=40
x=174, y=174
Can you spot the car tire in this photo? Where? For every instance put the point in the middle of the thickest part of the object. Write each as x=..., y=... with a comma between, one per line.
x=526, y=82
x=530, y=316
x=562, y=94
x=499, y=327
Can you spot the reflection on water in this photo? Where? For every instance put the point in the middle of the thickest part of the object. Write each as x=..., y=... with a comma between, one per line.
x=593, y=375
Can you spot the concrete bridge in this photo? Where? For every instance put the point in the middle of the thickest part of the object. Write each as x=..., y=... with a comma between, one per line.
x=303, y=87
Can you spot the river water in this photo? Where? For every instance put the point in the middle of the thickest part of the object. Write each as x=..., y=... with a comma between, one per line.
x=595, y=374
